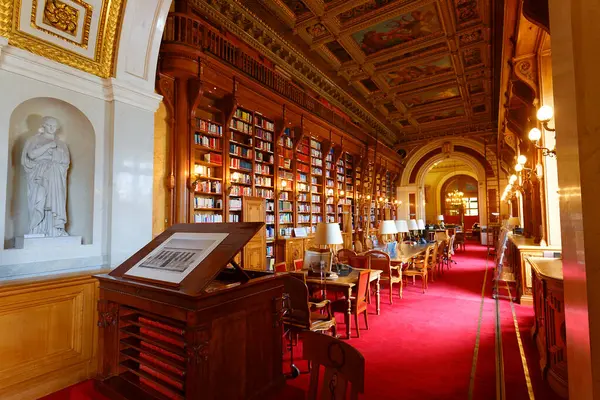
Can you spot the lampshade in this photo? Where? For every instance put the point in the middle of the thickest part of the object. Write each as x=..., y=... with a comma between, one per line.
x=402, y=226
x=420, y=224
x=388, y=227
x=328, y=233
x=412, y=225
x=514, y=221
x=440, y=217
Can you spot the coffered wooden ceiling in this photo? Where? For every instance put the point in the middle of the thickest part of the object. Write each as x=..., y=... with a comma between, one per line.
x=423, y=66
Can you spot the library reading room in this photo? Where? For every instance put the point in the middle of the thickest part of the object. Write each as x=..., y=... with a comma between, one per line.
x=299, y=199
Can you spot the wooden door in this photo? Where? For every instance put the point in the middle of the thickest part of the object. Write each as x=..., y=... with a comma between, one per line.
x=254, y=254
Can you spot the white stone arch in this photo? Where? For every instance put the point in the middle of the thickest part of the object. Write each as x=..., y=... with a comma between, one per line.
x=139, y=42
x=478, y=173
x=423, y=151
x=448, y=176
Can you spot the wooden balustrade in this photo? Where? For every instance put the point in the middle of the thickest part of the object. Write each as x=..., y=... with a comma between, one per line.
x=191, y=31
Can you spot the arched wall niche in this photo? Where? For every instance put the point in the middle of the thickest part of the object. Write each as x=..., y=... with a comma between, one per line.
x=78, y=133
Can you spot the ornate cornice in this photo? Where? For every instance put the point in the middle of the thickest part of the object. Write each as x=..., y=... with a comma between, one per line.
x=476, y=129
x=240, y=21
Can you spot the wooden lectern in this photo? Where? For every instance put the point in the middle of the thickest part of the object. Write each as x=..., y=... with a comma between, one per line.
x=175, y=328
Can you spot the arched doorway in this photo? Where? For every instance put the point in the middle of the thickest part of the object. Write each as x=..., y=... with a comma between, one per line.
x=463, y=211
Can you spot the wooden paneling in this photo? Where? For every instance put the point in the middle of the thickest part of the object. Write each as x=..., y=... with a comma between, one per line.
x=48, y=335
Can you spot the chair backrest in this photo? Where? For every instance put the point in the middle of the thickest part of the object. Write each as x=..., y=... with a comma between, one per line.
x=362, y=287
x=281, y=267
x=427, y=254
x=358, y=247
x=344, y=255
x=379, y=260
x=298, y=264
x=451, y=245
x=343, y=364
x=436, y=248
x=441, y=248
x=440, y=236
x=368, y=244
x=299, y=311
x=359, y=262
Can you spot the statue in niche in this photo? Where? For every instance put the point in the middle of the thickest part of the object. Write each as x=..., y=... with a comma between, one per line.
x=46, y=161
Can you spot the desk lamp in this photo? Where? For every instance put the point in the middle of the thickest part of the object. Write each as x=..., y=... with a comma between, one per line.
x=402, y=228
x=412, y=225
x=387, y=227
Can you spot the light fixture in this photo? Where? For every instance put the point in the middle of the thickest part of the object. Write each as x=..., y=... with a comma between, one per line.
x=518, y=167
x=283, y=183
x=341, y=192
x=387, y=200
x=368, y=197
x=544, y=115
x=513, y=178
x=235, y=177
x=522, y=159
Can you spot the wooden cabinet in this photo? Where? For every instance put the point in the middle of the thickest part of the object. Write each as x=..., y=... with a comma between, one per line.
x=517, y=250
x=549, y=330
x=253, y=210
x=290, y=249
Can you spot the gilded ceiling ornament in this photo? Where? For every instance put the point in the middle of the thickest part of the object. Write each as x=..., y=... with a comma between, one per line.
x=61, y=16
x=100, y=64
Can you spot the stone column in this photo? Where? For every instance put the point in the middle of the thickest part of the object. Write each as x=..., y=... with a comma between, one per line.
x=575, y=59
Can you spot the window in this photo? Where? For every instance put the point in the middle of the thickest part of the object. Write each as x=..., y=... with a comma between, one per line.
x=472, y=207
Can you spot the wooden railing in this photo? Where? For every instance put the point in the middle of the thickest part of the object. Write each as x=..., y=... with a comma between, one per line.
x=184, y=29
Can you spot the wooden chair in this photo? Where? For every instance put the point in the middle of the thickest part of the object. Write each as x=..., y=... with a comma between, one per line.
x=432, y=262
x=369, y=244
x=358, y=247
x=391, y=273
x=449, y=253
x=343, y=365
x=459, y=241
x=440, y=256
x=359, y=262
x=281, y=267
x=298, y=264
x=358, y=302
x=419, y=268
x=303, y=315
x=344, y=255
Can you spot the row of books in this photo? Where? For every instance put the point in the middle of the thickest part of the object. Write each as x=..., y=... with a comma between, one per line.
x=285, y=206
x=302, y=197
x=241, y=191
x=303, y=158
x=304, y=207
x=208, y=172
x=270, y=219
x=241, y=126
x=235, y=204
x=263, y=169
x=264, y=135
x=302, y=187
x=207, y=217
x=243, y=115
x=263, y=180
x=265, y=193
x=213, y=158
x=286, y=218
x=236, y=150
x=207, y=141
x=234, y=218
x=317, y=171
x=207, y=202
x=265, y=146
x=304, y=218
x=264, y=157
x=241, y=178
x=284, y=196
x=264, y=123
x=240, y=164
x=209, y=127
x=209, y=187
x=287, y=231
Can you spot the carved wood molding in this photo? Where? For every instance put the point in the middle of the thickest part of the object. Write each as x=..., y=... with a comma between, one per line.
x=108, y=314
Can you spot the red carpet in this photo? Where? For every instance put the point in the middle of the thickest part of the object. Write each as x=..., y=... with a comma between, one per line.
x=422, y=346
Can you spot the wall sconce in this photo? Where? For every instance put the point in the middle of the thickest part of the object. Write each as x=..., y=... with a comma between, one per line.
x=283, y=184
x=368, y=197
x=235, y=177
x=544, y=115
x=341, y=192
x=521, y=160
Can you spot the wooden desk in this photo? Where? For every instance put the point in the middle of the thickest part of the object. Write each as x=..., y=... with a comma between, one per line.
x=344, y=284
x=517, y=249
x=410, y=252
x=549, y=331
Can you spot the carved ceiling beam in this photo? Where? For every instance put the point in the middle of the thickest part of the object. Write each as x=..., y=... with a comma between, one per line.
x=236, y=18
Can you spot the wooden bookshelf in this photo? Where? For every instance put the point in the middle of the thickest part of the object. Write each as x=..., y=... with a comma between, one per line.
x=285, y=208
x=206, y=164
x=316, y=183
x=330, y=188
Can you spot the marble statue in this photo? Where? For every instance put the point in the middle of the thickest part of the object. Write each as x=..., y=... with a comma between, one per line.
x=46, y=161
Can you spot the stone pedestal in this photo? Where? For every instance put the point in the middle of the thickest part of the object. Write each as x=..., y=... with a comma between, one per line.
x=31, y=242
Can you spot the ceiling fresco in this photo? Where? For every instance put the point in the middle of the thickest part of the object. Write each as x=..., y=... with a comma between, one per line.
x=422, y=65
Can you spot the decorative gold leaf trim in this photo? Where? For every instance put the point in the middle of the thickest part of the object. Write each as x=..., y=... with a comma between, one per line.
x=86, y=27
x=103, y=63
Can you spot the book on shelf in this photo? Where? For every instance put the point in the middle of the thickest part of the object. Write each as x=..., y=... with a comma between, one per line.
x=243, y=115
x=240, y=190
x=214, y=187
x=204, y=217
x=213, y=158
x=207, y=202
x=240, y=164
x=208, y=126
